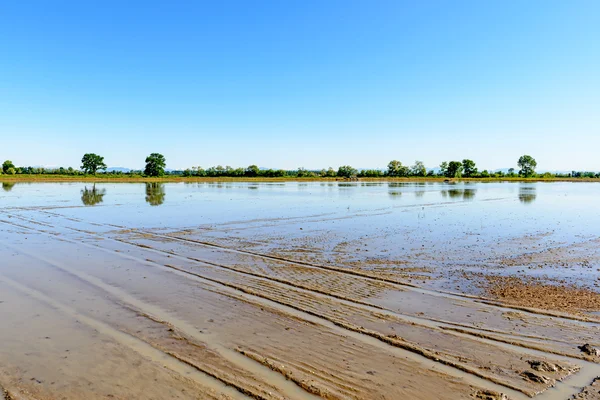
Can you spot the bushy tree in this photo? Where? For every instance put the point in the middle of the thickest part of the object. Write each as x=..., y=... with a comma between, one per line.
x=155, y=165
x=527, y=165
x=454, y=169
x=6, y=165
x=252, y=170
x=468, y=168
x=444, y=168
x=419, y=169
x=395, y=168
x=346, y=171
x=90, y=163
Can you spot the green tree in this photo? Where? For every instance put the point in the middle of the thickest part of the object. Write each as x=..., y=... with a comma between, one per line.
x=393, y=168
x=454, y=169
x=90, y=163
x=346, y=171
x=419, y=169
x=155, y=165
x=7, y=165
x=469, y=168
x=527, y=165
x=444, y=168
x=252, y=170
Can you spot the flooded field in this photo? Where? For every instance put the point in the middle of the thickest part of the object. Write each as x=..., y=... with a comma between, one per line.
x=332, y=290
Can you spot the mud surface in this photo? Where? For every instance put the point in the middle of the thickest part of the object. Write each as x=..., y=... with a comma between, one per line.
x=299, y=291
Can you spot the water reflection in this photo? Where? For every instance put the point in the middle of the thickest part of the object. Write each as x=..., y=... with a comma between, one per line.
x=7, y=186
x=155, y=193
x=459, y=194
x=527, y=194
x=93, y=196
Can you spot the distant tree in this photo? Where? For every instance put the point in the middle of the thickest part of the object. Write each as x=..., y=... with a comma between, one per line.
x=7, y=165
x=527, y=165
x=331, y=173
x=469, y=168
x=444, y=168
x=511, y=172
x=346, y=171
x=90, y=163
x=155, y=165
x=419, y=169
x=302, y=173
x=252, y=170
x=11, y=171
x=454, y=169
x=395, y=168
x=371, y=173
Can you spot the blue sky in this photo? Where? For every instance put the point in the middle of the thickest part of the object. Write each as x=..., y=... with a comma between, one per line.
x=301, y=83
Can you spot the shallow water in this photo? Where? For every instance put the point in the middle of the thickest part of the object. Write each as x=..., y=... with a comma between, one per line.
x=478, y=207
x=313, y=276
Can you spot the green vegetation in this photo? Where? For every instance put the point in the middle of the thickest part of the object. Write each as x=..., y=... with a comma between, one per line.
x=346, y=171
x=468, y=168
x=8, y=167
x=93, y=166
x=155, y=165
x=527, y=165
x=90, y=163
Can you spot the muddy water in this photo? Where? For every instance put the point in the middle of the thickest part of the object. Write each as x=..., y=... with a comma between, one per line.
x=299, y=290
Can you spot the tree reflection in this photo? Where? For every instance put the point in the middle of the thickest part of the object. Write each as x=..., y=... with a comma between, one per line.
x=7, y=186
x=459, y=194
x=93, y=196
x=527, y=194
x=155, y=193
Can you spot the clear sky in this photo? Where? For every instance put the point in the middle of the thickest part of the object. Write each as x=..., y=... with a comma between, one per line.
x=301, y=83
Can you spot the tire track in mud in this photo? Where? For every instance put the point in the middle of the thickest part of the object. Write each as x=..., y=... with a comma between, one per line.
x=509, y=338
x=422, y=356
x=401, y=284
x=151, y=312
x=146, y=350
x=350, y=327
x=301, y=309
x=413, y=318
x=360, y=274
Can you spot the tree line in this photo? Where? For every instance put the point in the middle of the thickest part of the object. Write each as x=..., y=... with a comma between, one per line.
x=92, y=164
